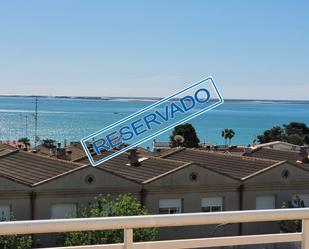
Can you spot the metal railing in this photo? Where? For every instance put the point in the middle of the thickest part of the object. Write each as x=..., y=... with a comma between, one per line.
x=128, y=223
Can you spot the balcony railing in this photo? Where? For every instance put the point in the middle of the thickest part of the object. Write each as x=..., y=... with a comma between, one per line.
x=128, y=223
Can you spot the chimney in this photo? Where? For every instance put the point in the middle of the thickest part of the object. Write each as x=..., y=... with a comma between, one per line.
x=69, y=155
x=61, y=153
x=248, y=150
x=133, y=158
x=303, y=156
x=53, y=151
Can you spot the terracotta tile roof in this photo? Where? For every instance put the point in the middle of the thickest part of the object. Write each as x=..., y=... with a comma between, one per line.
x=144, y=152
x=43, y=150
x=274, y=154
x=4, y=152
x=233, y=166
x=6, y=146
x=150, y=167
x=6, y=149
x=268, y=145
x=166, y=152
x=77, y=151
x=29, y=168
x=231, y=151
x=15, y=144
x=237, y=149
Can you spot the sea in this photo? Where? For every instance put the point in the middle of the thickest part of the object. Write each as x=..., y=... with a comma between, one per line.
x=68, y=119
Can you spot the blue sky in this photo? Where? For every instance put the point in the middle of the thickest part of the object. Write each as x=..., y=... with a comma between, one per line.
x=253, y=49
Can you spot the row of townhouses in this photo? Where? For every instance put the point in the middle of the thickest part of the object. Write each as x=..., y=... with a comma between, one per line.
x=38, y=185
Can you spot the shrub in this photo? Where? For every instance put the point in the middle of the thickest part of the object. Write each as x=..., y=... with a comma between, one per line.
x=105, y=206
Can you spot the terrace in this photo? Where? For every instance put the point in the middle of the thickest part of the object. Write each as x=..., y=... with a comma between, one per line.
x=129, y=223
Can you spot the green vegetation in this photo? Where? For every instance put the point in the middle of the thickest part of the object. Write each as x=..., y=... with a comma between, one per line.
x=104, y=206
x=294, y=133
x=292, y=226
x=15, y=241
x=227, y=134
x=49, y=143
x=25, y=141
x=188, y=132
x=274, y=134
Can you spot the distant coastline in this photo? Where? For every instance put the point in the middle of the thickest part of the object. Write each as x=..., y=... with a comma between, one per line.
x=146, y=99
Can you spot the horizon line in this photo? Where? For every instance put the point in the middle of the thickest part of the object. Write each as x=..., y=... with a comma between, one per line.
x=135, y=97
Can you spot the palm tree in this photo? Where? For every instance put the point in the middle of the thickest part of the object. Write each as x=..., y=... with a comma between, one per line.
x=227, y=134
x=48, y=143
x=224, y=135
x=25, y=141
x=231, y=134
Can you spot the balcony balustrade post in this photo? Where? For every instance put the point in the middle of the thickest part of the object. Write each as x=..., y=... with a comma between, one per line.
x=128, y=238
x=305, y=234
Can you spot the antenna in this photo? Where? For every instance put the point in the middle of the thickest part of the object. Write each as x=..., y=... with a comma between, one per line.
x=26, y=126
x=179, y=140
x=36, y=121
x=22, y=133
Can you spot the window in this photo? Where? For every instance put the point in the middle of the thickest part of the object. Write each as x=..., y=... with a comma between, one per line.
x=193, y=176
x=59, y=211
x=212, y=204
x=265, y=202
x=89, y=179
x=4, y=213
x=170, y=206
x=302, y=197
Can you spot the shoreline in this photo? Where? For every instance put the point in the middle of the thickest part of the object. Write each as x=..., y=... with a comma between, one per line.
x=148, y=99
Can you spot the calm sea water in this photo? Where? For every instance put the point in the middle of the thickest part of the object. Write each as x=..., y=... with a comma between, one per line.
x=72, y=119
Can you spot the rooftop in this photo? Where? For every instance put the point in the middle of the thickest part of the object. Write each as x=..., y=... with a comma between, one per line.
x=286, y=144
x=150, y=168
x=237, y=167
x=76, y=151
x=33, y=169
x=274, y=154
x=29, y=168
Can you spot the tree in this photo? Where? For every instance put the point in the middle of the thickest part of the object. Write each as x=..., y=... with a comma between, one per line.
x=274, y=134
x=228, y=134
x=292, y=226
x=223, y=134
x=49, y=143
x=296, y=128
x=294, y=132
x=231, y=135
x=104, y=206
x=25, y=141
x=306, y=139
x=295, y=139
x=188, y=132
x=15, y=241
